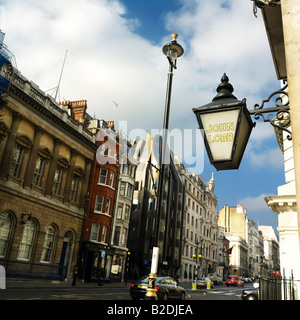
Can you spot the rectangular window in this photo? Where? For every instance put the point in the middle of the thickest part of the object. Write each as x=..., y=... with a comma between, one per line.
x=120, y=211
x=57, y=179
x=117, y=235
x=111, y=179
x=124, y=236
x=103, y=176
x=38, y=172
x=107, y=208
x=95, y=231
x=127, y=209
x=48, y=245
x=99, y=203
x=26, y=241
x=125, y=169
x=129, y=190
x=104, y=232
x=122, y=188
x=74, y=186
x=5, y=229
x=17, y=161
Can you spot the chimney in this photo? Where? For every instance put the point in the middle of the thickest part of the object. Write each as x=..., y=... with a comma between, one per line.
x=111, y=124
x=78, y=109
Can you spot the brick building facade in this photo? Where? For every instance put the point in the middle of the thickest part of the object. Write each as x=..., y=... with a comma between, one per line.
x=97, y=254
x=45, y=163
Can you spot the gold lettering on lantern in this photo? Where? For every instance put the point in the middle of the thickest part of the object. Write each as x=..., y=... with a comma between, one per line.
x=221, y=127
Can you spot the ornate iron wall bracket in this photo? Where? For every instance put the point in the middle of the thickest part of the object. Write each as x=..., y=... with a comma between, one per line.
x=282, y=110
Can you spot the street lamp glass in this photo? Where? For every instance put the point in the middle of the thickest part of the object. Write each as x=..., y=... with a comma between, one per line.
x=220, y=129
x=172, y=53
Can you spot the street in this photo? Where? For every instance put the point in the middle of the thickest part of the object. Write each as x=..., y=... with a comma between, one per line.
x=109, y=292
x=220, y=292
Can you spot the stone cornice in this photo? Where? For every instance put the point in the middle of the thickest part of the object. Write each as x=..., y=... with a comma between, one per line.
x=42, y=103
x=278, y=203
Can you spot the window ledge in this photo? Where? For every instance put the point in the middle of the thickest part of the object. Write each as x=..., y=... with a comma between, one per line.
x=102, y=213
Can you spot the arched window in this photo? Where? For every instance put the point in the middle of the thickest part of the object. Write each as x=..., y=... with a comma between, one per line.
x=5, y=230
x=48, y=245
x=27, y=240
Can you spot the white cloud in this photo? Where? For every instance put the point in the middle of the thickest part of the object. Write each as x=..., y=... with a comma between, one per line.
x=253, y=204
x=262, y=149
x=258, y=211
x=271, y=158
x=108, y=61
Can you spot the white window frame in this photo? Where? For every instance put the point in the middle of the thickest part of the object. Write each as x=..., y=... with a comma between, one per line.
x=98, y=207
x=120, y=211
x=57, y=179
x=102, y=176
x=104, y=233
x=111, y=179
x=17, y=160
x=48, y=245
x=6, y=224
x=107, y=206
x=38, y=172
x=74, y=187
x=95, y=228
x=27, y=241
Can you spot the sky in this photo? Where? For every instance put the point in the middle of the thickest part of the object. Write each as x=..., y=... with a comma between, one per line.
x=114, y=57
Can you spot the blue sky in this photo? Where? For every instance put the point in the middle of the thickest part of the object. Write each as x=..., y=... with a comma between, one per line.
x=114, y=54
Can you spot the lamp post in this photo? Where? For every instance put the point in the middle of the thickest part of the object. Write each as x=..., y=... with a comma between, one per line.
x=127, y=267
x=196, y=274
x=172, y=51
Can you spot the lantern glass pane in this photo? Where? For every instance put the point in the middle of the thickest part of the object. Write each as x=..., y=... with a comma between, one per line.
x=245, y=131
x=220, y=129
x=172, y=53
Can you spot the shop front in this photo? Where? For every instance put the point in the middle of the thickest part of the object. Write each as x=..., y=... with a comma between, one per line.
x=97, y=264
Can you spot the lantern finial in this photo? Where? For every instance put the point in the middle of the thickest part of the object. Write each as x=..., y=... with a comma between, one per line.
x=224, y=89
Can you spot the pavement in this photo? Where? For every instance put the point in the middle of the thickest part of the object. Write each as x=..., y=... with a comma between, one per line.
x=13, y=283
x=33, y=283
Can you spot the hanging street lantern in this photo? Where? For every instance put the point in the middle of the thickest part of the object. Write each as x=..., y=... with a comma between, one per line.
x=227, y=126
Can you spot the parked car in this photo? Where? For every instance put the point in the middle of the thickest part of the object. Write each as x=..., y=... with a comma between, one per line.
x=167, y=289
x=250, y=294
x=233, y=280
x=215, y=278
x=203, y=282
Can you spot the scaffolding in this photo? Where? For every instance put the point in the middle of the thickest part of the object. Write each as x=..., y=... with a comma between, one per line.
x=7, y=66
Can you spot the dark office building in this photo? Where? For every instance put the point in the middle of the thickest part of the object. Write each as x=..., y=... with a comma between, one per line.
x=142, y=234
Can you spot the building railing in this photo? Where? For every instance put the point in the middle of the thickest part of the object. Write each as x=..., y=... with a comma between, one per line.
x=270, y=288
x=278, y=288
x=24, y=269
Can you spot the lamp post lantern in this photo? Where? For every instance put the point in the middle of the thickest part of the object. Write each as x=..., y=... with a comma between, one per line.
x=227, y=127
